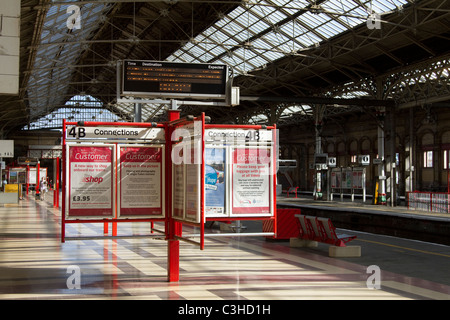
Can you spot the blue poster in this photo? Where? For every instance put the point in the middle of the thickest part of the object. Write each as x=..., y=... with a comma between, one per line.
x=214, y=181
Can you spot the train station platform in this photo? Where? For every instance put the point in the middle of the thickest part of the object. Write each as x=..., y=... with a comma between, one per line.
x=395, y=221
x=34, y=264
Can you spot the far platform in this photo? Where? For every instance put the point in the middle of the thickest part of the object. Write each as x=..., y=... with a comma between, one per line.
x=380, y=219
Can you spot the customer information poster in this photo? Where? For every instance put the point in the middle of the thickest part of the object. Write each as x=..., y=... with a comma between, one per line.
x=91, y=181
x=251, y=181
x=141, y=181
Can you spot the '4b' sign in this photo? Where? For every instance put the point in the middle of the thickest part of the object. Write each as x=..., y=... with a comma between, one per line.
x=76, y=132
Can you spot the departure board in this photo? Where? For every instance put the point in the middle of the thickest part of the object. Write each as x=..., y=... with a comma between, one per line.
x=172, y=79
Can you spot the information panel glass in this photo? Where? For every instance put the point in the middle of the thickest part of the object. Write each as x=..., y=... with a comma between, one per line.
x=251, y=181
x=90, y=181
x=141, y=182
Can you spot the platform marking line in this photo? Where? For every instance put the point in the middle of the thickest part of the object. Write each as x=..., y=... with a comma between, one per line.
x=405, y=248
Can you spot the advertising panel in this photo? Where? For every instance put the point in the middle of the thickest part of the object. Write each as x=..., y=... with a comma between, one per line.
x=91, y=187
x=357, y=180
x=141, y=181
x=32, y=175
x=178, y=190
x=215, y=182
x=336, y=177
x=251, y=182
x=193, y=189
x=186, y=171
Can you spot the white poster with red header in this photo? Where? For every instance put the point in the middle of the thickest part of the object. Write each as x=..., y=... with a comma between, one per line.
x=141, y=181
x=91, y=175
x=251, y=181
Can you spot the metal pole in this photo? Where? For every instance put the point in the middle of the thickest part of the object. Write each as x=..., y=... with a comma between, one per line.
x=381, y=166
x=137, y=112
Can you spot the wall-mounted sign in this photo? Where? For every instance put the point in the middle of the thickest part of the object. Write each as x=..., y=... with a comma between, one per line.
x=6, y=148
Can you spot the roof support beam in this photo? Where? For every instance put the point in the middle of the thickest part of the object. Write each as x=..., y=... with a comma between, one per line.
x=322, y=100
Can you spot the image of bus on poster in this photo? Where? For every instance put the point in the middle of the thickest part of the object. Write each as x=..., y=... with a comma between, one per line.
x=214, y=181
x=90, y=181
x=140, y=181
x=251, y=181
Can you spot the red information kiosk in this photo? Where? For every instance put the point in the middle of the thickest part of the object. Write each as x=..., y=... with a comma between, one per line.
x=183, y=172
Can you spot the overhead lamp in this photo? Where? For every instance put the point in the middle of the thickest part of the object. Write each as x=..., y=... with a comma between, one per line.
x=164, y=12
x=133, y=39
x=316, y=9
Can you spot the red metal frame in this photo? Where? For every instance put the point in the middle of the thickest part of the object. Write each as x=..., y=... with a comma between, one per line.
x=114, y=220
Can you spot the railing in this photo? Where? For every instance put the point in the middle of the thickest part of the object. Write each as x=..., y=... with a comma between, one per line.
x=429, y=201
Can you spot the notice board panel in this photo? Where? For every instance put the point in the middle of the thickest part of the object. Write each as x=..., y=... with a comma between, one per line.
x=252, y=181
x=215, y=182
x=90, y=184
x=141, y=181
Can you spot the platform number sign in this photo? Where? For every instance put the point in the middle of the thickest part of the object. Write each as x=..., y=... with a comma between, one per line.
x=364, y=159
x=76, y=132
x=332, y=162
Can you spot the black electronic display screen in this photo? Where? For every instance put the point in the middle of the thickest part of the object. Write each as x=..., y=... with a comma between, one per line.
x=172, y=79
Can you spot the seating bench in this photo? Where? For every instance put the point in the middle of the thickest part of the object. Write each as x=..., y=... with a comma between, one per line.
x=292, y=190
x=321, y=230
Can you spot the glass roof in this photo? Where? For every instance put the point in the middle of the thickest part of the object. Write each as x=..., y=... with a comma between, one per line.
x=58, y=50
x=262, y=31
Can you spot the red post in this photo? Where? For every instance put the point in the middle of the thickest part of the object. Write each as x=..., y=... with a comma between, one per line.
x=274, y=178
x=57, y=181
x=202, y=186
x=28, y=176
x=56, y=189
x=38, y=169
x=63, y=210
x=173, y=227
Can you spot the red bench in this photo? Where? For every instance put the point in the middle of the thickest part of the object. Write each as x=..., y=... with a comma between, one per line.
x=321, y=230
x=292, y=190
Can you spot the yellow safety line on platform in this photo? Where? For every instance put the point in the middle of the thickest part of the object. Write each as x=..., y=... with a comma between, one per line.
x=400, y=247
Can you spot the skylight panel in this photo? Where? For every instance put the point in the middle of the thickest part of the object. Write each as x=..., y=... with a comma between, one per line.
x=256, y=25
x=279, y=41
x=267, y=51
x=384, y=5
x=223, y=38
x=339, y=6
x=236, y=13
x=330, y=29
x=269, y=14
x=215, y=51
x=238, y=32
x=258, y=60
